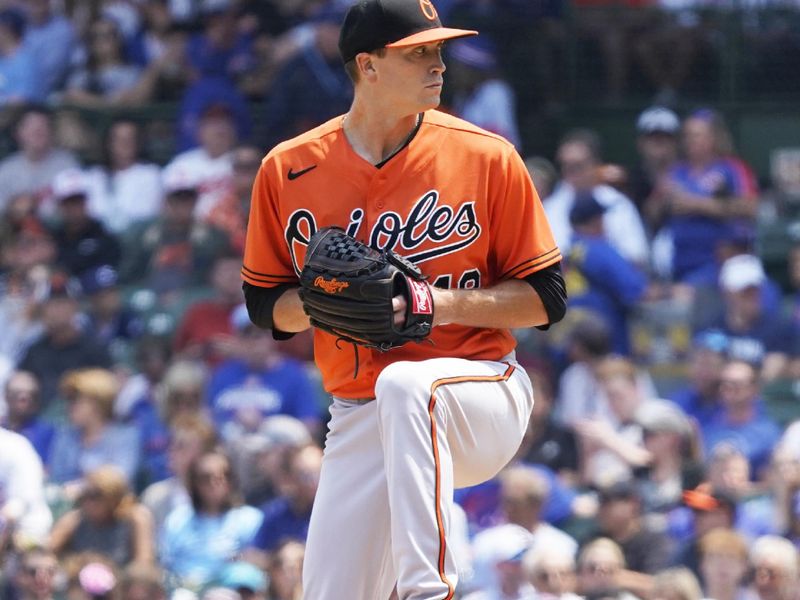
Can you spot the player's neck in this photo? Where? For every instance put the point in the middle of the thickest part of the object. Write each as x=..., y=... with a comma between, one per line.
x=375, y=136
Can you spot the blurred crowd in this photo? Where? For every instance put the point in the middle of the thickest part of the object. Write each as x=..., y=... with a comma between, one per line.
x=155, y=444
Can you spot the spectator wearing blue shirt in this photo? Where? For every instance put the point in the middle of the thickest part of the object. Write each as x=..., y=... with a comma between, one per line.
x=705, y=192
x=598, y=278
x=19, y=72
x=311, y=87
x=200, y=539
x=699, y=397
x=287, y=516
x=741, y=423
x=755, y=332
x=258, y=382
x=91, y=439
x=22, y=400
x=50, y=37
x=221, y=49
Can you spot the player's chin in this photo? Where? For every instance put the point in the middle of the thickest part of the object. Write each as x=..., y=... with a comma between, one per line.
x=432, y=100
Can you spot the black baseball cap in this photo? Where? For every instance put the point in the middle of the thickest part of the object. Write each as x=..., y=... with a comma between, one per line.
x=372, y=24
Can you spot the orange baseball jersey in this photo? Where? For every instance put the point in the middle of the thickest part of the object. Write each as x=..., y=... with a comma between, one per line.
x=457, y=201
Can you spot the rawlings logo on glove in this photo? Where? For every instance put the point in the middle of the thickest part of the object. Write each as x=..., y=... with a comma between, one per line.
x=347, y=290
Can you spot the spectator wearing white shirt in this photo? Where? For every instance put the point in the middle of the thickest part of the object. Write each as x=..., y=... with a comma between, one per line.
x=578, y=156
x=23, y=508
x=127, y=190
x=211, y=163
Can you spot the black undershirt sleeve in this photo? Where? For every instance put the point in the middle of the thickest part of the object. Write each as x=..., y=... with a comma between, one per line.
x=549, y=284
x=260, y=301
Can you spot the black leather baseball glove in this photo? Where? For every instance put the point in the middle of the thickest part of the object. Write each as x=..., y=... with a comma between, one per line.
x=347, y=290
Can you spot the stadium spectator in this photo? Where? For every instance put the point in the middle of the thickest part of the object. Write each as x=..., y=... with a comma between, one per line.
x=311, y=87
x=704, y=192
x=108, y=520
x=285, y=571
x=611, y=449
x=260, y=381
x=287, y=516
x=20, y=80
x=32, y=168
x=35, y=576
x=259, y=456
x=205, y=332
x=210, y=165
x=175, y=250
x=233, y=210
x=621, y=519
x=524, y=491
x=546, y=442
x=741, y=421
x=699, y=396
x=600, y=570
x=125, y=189
x=106, y=79
x=199, y=539
x=108, y=320
x=755, y=332
x=91, y=438
x=481, y=95
x=578, y=157
x=673, y=448
x=50, y=36
x=552, y=573
x=498, y=553
x=190, y=435
x=775, y=568
x=248, y=580
x=657, y=130
x=711, y=508
x=136, y=400
x=24, y=412
x=62, y=346
x=180, y=392
x=142, y=582
x=82, y=241
x=24, y=512
x=676, y=583
x=220, y=49
x=723, y=565
x=600, y=280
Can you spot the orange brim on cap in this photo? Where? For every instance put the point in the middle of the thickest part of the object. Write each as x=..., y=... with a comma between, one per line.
x=434, y=34
x=700, y=500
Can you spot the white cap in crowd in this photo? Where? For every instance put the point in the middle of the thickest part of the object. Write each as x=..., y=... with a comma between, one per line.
x=741, y=272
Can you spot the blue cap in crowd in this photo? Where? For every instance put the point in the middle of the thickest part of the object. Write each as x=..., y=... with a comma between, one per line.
x=585, y=208
x=243, y=575
x=98, y=279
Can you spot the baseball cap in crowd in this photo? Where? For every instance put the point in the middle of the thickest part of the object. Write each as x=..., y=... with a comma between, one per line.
x=705, y=498
x=658, y=119
x=70, y=183
x=178, y=178
x=373, y=24
x=663, y=416
x=585, y=208
x=475, y=52
x=98, y=279
x=243, y=575
x=714, y=340
x=741, y=272
x=276, y=431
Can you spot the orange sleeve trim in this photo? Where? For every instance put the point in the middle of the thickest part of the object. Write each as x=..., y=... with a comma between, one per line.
x=437, y=465
x=543, y=260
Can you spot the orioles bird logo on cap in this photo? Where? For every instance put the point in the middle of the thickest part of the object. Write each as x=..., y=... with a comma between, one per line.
x=428, y=9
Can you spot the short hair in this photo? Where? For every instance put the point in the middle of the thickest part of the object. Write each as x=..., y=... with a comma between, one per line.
x=602, y=543
x=351, y=68
x=677, y=582
x=537, y=488
x=779, y=550
x=617, y=366
x=722, y=540
x=109, y=481
x=586, y=137
x=181, y=374
x=99, y=385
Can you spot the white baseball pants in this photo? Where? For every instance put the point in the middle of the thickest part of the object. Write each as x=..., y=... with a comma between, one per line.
x=382, y=510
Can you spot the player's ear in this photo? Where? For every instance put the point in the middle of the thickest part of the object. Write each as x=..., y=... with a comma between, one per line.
x=366, y=64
